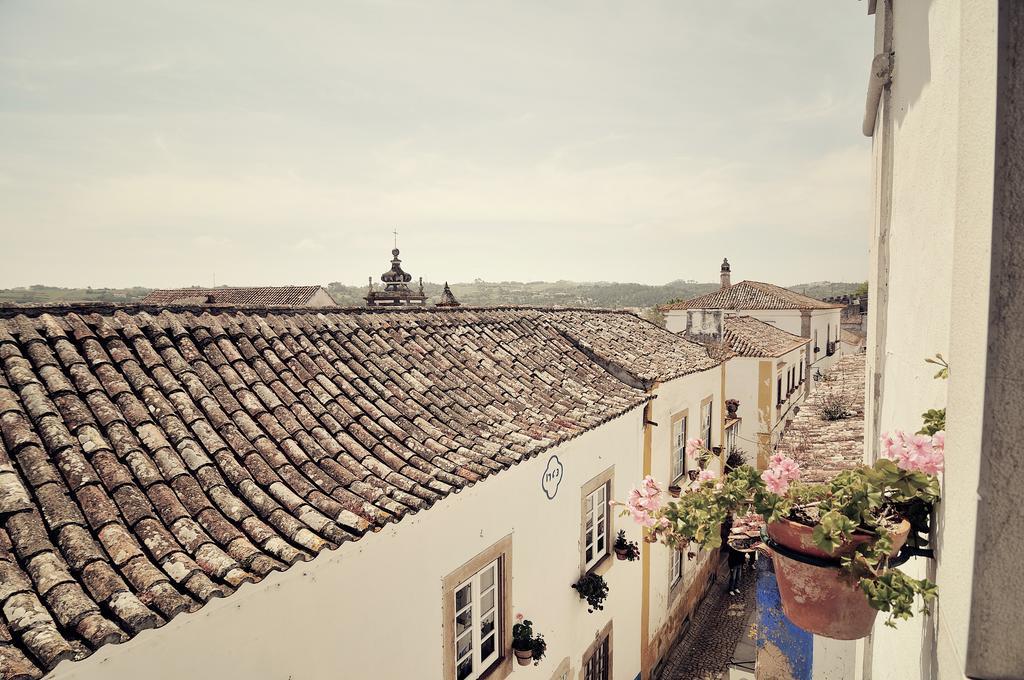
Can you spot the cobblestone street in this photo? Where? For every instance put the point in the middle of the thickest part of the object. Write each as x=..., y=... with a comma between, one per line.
x=721, y=620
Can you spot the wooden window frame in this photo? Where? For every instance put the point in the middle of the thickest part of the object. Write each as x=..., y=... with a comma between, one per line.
x=683, y=416
x=604, y=635
x=606, y=479
x=674, y=580
x=707, y=434
x=502, y=552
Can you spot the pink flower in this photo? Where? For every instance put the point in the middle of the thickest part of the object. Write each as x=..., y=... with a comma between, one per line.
x=781, y=472
x=519, y=617
x=693, y=446
x=915, y=453
x=775, y=482
x=650, y=486
x=706, y=475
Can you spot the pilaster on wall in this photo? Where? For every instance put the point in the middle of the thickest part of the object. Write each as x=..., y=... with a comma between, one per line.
x=805, y=331
x=764, y=413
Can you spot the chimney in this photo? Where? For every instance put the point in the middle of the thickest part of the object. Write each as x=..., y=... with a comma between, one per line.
x=726, y=281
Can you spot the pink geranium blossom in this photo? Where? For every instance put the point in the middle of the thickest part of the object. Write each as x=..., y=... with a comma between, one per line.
x=782, y=471
x=693, y=446
x=706, y=475
x=915, y=453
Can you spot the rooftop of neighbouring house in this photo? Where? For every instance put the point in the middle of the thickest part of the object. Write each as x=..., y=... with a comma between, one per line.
x=260, y=296
x=751, y=295
x=826, y=447
x=852, y=338
x=152, y=459
x=750, y=337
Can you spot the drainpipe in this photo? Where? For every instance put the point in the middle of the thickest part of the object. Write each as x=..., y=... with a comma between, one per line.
x=881, y=75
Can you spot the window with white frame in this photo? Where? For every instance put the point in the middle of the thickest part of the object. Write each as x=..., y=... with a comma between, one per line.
x=705, y=422
x=678, y=447
x=677, y=566
x=595, y=526
x=477, y=622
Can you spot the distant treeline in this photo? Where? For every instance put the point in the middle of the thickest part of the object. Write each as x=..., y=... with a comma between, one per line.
x=482, y=293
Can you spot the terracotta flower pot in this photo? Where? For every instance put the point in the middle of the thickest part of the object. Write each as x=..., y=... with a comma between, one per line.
x=675, y=490
x=524, y=656
x=820, y=599
x=620, y=553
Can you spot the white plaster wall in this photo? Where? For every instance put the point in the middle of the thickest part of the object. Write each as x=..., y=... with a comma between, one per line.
x=322, y=299
x=741, y=383
x=675, y=320
x=786, y=319
x=372, y=609
x=833, y=659
x=828, y=323
x=672, y=397
x=942, y=106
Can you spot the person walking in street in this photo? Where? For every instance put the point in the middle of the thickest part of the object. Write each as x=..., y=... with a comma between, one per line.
x=736, y=560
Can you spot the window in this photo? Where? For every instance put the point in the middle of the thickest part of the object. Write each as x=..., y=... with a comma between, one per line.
x=597, y=659
x=677, y=567
x=778, y=398
x=816, y=347
x=476, y=623
x=476, y=607
x=705, y=422
x=801, y=370
x=595, y=528
x=678, y=445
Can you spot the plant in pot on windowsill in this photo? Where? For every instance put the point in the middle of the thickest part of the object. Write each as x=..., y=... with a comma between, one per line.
x=834, y=542
x=527, y=645
x=625, y=550
x=592, y=588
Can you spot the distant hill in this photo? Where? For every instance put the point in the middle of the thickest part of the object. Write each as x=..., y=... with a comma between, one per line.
x=483, y=293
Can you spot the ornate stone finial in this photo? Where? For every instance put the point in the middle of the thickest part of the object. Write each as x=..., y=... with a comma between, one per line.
x=447, y=298
x=725, y=265
x=396, y=286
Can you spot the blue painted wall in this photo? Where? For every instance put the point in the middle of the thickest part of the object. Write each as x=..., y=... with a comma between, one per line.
x=775, y=629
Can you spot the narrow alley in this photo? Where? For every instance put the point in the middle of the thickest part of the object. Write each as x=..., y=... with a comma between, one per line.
x=721, y=628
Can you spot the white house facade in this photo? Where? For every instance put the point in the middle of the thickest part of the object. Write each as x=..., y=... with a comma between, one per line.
x=820, y=322
x=944, y=110
x=318, y=495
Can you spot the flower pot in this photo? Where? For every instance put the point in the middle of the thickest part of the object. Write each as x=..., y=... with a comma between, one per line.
x=820, y=599
x=675, y=490
x=620, y=553
x=524, y=656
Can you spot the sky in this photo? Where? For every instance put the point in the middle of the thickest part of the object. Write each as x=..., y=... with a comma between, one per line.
x=253, y=142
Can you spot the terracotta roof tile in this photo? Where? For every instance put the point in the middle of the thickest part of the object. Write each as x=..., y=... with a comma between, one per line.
x=259, y=296
x=752, y=295
x=750, y=337
x=825, y=447
x=150, y=462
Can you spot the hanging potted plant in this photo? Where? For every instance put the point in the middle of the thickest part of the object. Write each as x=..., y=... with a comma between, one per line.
x=832, y=544
x=592, y=588
x=527, y=645
x=625, y=550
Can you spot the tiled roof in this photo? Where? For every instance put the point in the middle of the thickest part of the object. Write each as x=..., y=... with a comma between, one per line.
x=851, y=338
x=638, y=347
x=750, y=337
x=151, y=460
x=295, y=296
x=826, y=447
x=752, y=295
